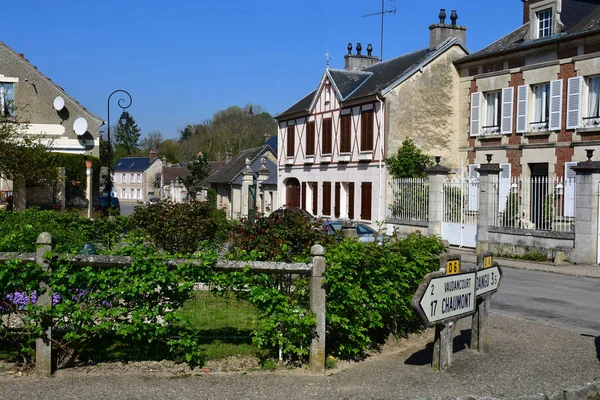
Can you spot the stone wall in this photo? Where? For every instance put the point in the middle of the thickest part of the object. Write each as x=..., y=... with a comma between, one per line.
x=520, y=243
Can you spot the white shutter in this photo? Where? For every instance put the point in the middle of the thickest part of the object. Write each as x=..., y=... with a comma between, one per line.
x=473, y=188
x=507, y=110
x=503, y=186
x=574, y=103
x=475, y=113
x=555, y=105
x=569, y=189
x=522, y=105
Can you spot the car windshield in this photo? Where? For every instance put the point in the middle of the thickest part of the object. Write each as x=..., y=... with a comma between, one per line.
x=365, y=230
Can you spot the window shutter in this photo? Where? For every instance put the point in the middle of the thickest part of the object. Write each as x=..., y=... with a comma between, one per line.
x=475, y=113
x=365, y=207
x=522, y=96
x=351, y=200
x=507, y=110
x=569, y=210
x=315, y=199
x=303, y=196
x=473, y=188
x=574, y=103
x=336, y=206
x=503, y=186
x=555, y=105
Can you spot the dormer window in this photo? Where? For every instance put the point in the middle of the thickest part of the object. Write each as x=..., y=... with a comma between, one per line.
x=544, y=23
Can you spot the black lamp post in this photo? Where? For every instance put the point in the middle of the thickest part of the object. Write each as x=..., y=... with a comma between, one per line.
x=124, y=117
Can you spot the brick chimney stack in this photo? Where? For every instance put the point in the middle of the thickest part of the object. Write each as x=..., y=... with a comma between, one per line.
x=525, y=11
x=439, y=33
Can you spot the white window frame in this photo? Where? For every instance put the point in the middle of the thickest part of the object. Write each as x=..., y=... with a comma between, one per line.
x=132, y=191
x=544, y=102
x=3, y=98
x=139, y=194
x=123, y=193
x=139, y=178
x=592, y=118
x=544, y=23
x=132, y=178
x=123, y=178
x=492, y=125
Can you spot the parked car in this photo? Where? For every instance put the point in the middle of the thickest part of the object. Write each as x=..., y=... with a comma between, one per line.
x=108, y=203
x=287, y=210
x=365, y=233
x=152, y=200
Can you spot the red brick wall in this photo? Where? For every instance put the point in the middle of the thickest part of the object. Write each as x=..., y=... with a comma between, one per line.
x=525, y=12
x=516, y=80
x=538, y=140
x=491, y=142
x=567, y=52
x=591, y=48
x=493, y=67
x=563, y=155
x=516, y=62
x=514, y=158
x=566, y=71
x=473, y=71
x=471, y=156
x=588, y=137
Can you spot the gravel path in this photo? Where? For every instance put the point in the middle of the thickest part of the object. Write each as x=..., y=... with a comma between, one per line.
x=525, y=359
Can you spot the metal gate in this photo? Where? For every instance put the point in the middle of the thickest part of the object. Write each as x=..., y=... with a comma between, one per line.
x=460, y=211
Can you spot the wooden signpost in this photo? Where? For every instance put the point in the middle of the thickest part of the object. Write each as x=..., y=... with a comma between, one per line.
x=455, y=292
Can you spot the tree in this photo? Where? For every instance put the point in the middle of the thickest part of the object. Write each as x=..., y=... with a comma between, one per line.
x=152, y=141
x=127, y=136
x=409, y=161
x=199, y=170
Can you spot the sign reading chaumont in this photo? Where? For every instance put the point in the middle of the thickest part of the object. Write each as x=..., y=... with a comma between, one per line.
x=448, y=297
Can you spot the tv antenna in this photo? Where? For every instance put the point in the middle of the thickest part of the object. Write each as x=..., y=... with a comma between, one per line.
x=382, y=13
x=328, y=57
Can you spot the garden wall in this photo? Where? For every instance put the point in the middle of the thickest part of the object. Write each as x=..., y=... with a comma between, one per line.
x=530, y=243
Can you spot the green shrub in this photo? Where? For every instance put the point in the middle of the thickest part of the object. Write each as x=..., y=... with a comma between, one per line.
x=211, y=198
x=182, y=227
x=370, y=287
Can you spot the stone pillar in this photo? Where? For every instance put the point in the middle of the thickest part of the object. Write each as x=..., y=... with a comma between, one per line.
x=44, y=362
x=437, y=175
x=88, y=186
x=343, y=201
x=247, y=180
x=263, y=175
x=19, y=195
x=586, y=212
x=488, y=173
x=317, y=306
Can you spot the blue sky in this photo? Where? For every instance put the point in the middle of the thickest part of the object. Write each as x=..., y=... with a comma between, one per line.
x=184, y=60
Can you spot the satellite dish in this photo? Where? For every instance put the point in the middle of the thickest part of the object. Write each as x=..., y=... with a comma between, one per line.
x=59, y=103
x=80, y=126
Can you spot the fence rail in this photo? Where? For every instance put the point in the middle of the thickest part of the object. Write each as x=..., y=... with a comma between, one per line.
x=410, y=199
x=535, y=203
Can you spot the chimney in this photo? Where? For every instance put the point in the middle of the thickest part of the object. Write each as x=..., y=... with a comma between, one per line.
x=152, y=155
x=358, y=61
x=525, y=11
x=266, y=137
x=438, y=33
x=227, y=157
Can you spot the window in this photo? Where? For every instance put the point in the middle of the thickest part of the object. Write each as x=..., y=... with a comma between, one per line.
x=7, y=99
x=326, y=146
x=310, y=138
x=493, y=111
x=123, y=193
x=139, y=194
x=366, y=130
x=594, y=97
x=132, y=180
x=544, y=23
x=123, y=178
x=291, y=140
x=365, y=200
x=541, y=106
x=345, y=133
x=139, y=178
x=326, y=198
x=132, y=194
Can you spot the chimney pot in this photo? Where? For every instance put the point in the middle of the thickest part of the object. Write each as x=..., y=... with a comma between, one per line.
x=266, y=137
x=453, y=17
x=442, y=15
x=358, y=49
x=369, y=49
x=227, y=157
x=349, y=48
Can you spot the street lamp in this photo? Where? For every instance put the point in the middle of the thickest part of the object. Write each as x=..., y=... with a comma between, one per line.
x=123, y=119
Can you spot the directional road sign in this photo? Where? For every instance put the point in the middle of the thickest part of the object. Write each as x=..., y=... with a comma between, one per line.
x=447, y=297
x=488, y=280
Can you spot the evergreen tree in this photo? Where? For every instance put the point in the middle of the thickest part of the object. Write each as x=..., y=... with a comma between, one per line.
x=409, y=161
x=199, y=170
x=127, y=136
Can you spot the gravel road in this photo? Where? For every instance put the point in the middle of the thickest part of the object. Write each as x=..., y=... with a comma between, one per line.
x=525, y=359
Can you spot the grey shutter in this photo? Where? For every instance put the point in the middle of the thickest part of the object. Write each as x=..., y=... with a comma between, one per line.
x=555, y=105
x=503, y=186
x=574, y=103
x=475, y=113
x=522, y=105
x=569, y=210
x=507, y=110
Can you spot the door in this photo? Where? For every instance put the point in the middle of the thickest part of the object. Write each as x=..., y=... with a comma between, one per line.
x=540, y=206
x=459, y=211
x=292, y=193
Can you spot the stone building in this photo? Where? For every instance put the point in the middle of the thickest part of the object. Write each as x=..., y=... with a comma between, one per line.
x=333, y=143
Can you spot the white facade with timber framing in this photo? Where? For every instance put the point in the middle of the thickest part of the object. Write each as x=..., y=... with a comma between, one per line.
x=333, y=143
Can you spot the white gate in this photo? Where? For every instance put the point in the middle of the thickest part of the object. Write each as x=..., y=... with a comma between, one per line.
x=460, y=210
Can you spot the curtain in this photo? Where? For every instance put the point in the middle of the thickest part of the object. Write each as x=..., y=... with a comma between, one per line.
x=490, y=108
x=594, y=97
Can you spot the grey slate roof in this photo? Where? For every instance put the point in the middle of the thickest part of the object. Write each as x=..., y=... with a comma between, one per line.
x=353, y=85
x=132, y=164
x=229, y=171
x=171, y=174
x=272, y=142
x=519, y=38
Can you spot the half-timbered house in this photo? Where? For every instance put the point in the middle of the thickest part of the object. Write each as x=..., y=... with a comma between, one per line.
x=333, y=143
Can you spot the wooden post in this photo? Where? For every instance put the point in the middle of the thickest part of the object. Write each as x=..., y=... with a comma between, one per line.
x=479, y=323
x=317, y=306
x=44, y=365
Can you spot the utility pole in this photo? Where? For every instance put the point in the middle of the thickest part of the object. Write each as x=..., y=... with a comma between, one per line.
x=382, y=13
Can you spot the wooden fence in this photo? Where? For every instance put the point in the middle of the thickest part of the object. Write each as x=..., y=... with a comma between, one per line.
x=44, y=350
